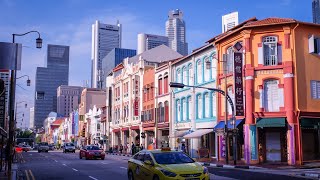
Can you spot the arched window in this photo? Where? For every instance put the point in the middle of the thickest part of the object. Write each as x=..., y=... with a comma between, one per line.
x=160, y=85
x=159, y=113
x=184, y=109
x=199, y=72
x=229, y=60
x=231, y=94
x=184, y=75
x=271, y=96
x=189, y=106
x=178, y=76
x=98, y=126
x=213, y=68
x=178, y=111
x=190, y=75
x=270, y=51
x=166, y=111
x=206, y=108
x=165, y=83
x=207, y=71
x=213, y=104
x=199, y=106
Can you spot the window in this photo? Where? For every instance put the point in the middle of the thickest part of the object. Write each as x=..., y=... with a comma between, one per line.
x=190, y=75
x=207, y=73
x=229, y=60
x=199, y=72
x=231, y=95
x=199, y=106
x=98, y=126
x=271, y=96
x=178, y=111
x=189, y=106
x=178, y=76
x=314, y=44
x=270, y=51
x=160, y=85
x=166, y=111
x=184, y=75
x=165, y=83
x=214, y=107
x=159, y=115
x=206, y=105
x=184, y=109
x=315, y=89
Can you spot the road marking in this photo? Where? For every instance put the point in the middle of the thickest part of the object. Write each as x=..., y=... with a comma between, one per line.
x=92, y=178
x=31, y=175
x=124, y=168
x=30, y=154
x=64, y=164
x=55, y=160
x=27, y=174
x=105, y=163
x=74, y=169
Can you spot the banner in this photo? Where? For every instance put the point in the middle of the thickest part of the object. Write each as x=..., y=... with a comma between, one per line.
x=10, y=56
x=238, y=84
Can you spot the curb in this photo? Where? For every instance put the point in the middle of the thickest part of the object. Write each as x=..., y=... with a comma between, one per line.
x=230, y=166
x=116, y=154
x=311, y=175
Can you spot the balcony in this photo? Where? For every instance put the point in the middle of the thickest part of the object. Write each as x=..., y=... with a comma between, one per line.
x=271, y=60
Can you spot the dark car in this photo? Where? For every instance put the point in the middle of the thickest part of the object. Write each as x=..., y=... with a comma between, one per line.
x=68, y=147
x=51, y=147
x=92, y=152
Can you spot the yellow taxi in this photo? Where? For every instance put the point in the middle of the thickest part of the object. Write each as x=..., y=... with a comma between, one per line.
x=165, y=164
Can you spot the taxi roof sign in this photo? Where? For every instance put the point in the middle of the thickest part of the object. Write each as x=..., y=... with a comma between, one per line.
x=165, y=149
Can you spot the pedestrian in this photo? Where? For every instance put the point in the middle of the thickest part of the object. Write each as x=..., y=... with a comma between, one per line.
x=141, y=147
x=132, y=148
x=128, y=146
x=183, y=147
x=121, y=148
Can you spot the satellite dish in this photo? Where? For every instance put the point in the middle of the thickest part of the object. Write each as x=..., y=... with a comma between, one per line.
x=2, y=88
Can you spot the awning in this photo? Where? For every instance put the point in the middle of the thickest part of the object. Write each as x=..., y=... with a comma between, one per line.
x=271, y=122
x=198, y=133
x=220, y=125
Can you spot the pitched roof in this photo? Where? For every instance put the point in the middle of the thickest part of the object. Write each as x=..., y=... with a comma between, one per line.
x=57, y=122
x=270, y=21
x=158, y=54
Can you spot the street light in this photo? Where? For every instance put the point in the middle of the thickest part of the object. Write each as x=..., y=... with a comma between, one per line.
x=12, y=101
x=28, y=81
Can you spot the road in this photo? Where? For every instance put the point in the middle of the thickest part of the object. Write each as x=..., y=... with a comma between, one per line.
x=57, y=165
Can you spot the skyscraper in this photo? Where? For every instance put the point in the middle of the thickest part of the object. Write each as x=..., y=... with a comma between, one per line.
x=5, y=76
x=316, y=11
x=48, y=79
x=68, y=99
x=31, y=118
x=229, y=21
x=176, y=32
x=149, y=41
x=105, y=37
x=111, y=60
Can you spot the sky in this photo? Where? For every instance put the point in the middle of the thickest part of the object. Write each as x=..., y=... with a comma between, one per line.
x=68, y=22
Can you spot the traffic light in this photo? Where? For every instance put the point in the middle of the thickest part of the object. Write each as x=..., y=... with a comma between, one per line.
x=143, y=135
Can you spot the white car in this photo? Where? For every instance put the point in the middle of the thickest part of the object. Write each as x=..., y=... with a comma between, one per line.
x=69, y=147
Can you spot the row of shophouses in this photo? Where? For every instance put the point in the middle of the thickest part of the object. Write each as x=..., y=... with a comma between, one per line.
x=281, y=93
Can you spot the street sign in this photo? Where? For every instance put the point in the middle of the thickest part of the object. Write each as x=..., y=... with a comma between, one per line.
x=10, y=56
x=238, y=84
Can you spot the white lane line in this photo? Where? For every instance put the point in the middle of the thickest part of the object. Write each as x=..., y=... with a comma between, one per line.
x=123, y=168
x=74, y=169
x=55, y=160
x=104, y=163
x=92, y=178
x=64, y=164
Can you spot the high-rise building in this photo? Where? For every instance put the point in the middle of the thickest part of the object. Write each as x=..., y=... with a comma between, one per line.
x=176, y=32
x=149, y=41
x=114, y=58
x=68, y=99
x=105, y=37
x=31, y=118
x=48, y=79
x=5, y=76
x=316, y=11
x=229, y=21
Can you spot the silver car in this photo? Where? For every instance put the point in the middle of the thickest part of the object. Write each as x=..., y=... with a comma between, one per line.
x=69, y=147
x=43, y=147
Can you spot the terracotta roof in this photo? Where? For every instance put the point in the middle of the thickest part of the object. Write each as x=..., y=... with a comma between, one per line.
x=270, y=21
x=118, y=67
x=57, y=122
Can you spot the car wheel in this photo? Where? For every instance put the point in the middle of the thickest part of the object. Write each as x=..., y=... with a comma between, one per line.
x=130, y=175
x=38, y=151
x=80, y=156
x=155, y=177
x=102, y=158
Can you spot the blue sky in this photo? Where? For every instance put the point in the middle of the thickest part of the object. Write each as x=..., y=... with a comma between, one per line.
x=68, y=22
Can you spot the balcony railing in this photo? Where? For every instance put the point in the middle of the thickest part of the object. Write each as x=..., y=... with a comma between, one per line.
x=271, y=60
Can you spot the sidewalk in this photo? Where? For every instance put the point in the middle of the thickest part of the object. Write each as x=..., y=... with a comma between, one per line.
x=4, y=175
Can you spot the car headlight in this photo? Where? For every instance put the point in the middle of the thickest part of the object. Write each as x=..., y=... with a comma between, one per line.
x=205, y=170
x=168, y=173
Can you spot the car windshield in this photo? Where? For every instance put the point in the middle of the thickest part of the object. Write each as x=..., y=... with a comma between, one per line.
x=43, y=144
x=172, y=158
x=69, y=144
x=93, y=148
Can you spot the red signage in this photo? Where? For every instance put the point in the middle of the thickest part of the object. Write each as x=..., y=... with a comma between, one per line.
x=238, y=84
x=136, y=107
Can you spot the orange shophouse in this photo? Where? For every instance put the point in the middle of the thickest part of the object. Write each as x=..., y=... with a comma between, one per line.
x=148, y=113
x=281, y=88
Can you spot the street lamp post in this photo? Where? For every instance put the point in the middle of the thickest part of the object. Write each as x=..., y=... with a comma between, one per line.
x=28, y=81
x=228, y=99
x=12, y=101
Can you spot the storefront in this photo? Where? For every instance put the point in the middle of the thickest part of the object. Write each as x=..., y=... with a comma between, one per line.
x=135, y=135
x=310, y=132
x=219, y=130
x=272, y=140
